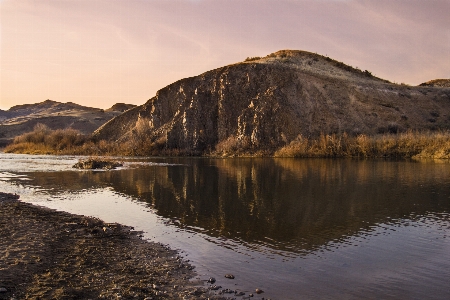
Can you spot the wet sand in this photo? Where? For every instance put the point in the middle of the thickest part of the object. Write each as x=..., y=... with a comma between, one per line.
x=47, y=254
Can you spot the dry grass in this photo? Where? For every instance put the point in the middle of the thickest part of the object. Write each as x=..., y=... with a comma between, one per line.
x=42, y=140
x=234, y=146
x=405, y=145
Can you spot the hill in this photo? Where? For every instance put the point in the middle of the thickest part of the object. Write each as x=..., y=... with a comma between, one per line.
x=121, y=107
x=263, y=104
x=56, y=115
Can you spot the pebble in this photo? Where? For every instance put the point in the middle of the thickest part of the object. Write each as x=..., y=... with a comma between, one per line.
x=259, y=291
x=239, y=293
x=229, y=276
x=211, y=280
x=3, y=290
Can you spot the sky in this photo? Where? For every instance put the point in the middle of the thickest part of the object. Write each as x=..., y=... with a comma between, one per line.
x=100, y=52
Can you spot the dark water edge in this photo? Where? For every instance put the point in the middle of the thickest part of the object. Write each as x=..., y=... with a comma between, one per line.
x=312, y=228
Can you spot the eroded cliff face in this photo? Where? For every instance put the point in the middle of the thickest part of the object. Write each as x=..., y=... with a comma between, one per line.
x=263, y=104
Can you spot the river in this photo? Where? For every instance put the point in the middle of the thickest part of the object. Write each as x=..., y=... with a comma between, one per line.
x=295, y=228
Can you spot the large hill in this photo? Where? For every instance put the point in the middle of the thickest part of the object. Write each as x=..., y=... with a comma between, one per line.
x=264, y=103
x=56, y=115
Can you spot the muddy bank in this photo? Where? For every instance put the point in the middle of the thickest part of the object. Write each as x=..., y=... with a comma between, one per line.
x=46, y=254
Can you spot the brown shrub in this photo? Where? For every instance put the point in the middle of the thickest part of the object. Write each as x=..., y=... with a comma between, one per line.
x=45, y=141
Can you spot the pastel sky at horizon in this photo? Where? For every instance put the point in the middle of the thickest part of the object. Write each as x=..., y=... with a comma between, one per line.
x=100, y=52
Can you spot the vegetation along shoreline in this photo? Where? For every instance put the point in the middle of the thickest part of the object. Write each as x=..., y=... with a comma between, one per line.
x=410, y=144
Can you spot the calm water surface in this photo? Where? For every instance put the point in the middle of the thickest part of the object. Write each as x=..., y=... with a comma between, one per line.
x=298, y=229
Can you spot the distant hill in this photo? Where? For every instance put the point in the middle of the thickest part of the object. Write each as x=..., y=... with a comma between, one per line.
x=121, y=107
x=56, y=115
x=262, y=104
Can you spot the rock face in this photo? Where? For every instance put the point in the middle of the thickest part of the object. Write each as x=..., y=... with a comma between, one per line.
x=56, y=115
x=262, y=104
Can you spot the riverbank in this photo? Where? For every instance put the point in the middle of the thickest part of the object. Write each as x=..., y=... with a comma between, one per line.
x=47, y=254
x=390, y=144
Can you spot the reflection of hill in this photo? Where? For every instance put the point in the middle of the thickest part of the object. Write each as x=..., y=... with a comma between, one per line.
x=286, y=204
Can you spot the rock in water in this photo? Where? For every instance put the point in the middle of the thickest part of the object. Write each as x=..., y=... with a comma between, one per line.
x=92, y=163
x=211, y=280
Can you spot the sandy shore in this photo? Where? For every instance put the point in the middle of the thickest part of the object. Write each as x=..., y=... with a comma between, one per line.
x=47, y=254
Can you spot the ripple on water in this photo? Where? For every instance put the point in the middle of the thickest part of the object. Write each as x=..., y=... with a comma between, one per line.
x=315, y=228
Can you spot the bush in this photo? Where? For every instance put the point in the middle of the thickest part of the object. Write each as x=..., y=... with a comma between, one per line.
x=252, y=58
x=45, y=141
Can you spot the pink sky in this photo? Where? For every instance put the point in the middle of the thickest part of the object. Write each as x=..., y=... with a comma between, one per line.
x=100, y=52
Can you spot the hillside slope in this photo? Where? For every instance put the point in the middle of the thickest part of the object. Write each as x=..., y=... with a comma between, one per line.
x=262, y=104
x=437, y=83
x=56, y=115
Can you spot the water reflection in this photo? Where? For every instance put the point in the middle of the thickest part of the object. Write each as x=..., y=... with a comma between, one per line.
x=288, y=205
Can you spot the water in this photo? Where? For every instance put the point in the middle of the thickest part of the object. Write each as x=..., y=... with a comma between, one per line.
x=297, y=229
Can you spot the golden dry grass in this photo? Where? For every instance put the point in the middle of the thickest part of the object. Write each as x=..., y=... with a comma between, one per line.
x=404, y=145
x=410, y=144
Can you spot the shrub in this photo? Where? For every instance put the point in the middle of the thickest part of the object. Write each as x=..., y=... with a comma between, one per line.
x=234, y=146
x=45, y=141
x=252, y=58
x=368, y=73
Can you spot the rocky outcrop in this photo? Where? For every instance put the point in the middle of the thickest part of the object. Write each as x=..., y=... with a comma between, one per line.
x=264, y=103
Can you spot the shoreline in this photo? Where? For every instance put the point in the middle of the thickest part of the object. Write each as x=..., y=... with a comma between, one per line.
x=49, y=254
x=399, y=145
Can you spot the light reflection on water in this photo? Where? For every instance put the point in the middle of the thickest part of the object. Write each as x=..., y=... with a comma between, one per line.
x=295, y=228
